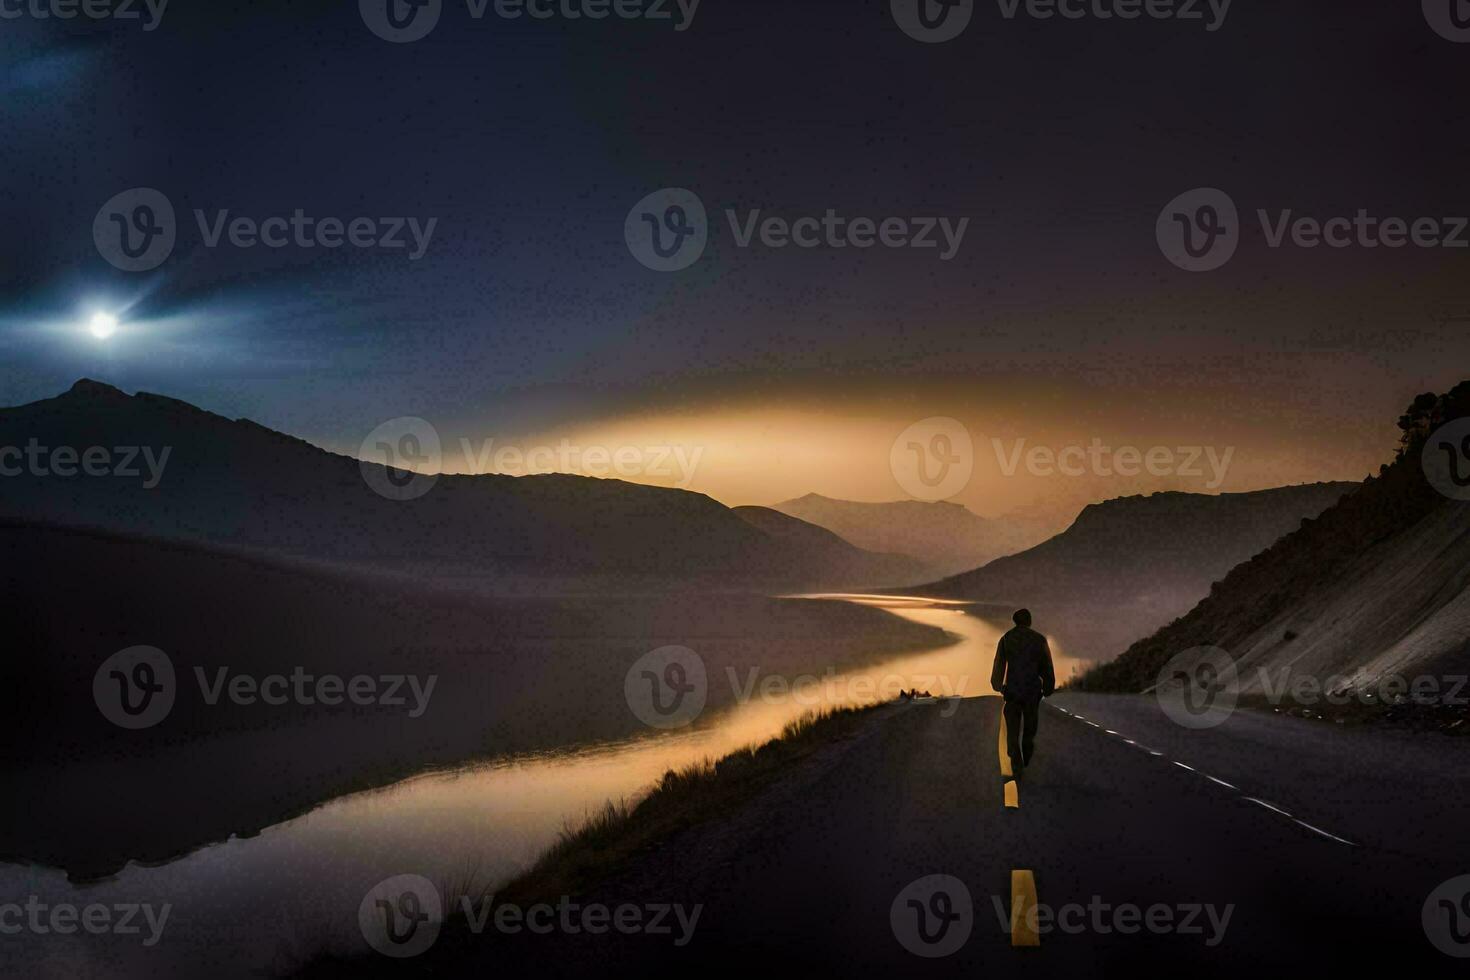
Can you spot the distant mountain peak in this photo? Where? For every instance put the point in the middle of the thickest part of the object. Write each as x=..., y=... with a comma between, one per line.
x=813, y=498
x=88, y=388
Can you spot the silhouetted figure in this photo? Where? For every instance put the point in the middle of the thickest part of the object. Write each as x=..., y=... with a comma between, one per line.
x=1023, y=674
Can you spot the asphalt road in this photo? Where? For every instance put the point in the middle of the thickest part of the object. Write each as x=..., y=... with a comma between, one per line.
x=1282, y=847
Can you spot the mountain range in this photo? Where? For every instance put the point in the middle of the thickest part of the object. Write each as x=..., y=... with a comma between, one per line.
x=235, y=483
x=1132, y=564
x=1377, y=586
x=945, y=537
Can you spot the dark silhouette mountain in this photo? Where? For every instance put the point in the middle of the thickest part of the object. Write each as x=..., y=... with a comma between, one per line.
x=238, y=483
x=1377, y=585
x=833, y=552
x=945, y=537
x=1129, y=565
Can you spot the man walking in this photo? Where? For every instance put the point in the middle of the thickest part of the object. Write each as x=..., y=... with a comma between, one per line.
x=1023, y=674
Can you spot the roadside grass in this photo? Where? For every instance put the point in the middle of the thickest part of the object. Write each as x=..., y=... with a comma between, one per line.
x=609, y=841
x=611, y=838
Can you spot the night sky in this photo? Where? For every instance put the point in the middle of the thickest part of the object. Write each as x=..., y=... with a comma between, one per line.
x=529, y=141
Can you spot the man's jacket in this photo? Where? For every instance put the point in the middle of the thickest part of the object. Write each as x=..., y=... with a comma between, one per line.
x=1023, y=669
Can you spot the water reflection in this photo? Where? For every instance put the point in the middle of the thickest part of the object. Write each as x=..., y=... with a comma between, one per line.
x=268, y=903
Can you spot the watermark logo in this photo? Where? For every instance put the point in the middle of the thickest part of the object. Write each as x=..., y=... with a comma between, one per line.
x=933, y=459
x=667, y=688
x=933, y=916
x=1449, y=18
x=1199, y=687
x=668, y=230
x=1199, y=230
x=135, y=230
x=400, y=21
x=401, y=458
x=933, y=21
x=1446, y=459
x=135, y=688
x=1446, y=917
x=401, y=916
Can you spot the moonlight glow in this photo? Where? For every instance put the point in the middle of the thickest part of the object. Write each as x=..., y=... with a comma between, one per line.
x=103, y=325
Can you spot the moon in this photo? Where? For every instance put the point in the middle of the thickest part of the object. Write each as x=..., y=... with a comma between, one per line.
x=103, y=325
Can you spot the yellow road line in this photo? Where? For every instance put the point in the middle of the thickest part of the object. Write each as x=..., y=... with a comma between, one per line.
x=1013, y=797
x=1005, y=754
x=1023, y=902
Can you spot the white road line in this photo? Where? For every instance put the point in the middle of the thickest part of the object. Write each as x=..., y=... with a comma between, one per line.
x=1268, y=806
x=1229, y=786
x=1319, y=830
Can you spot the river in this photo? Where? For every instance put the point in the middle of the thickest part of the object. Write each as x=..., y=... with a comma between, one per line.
x=268, y=903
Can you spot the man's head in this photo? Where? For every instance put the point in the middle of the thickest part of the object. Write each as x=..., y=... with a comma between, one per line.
x=1021, y=617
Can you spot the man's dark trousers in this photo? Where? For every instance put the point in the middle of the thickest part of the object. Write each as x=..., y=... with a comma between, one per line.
x=1021, y=715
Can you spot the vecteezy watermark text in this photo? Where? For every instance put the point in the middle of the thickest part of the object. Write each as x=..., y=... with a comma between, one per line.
x=68, y=461
x=676, y=462
x=1103, y=918
x=305, y=231
x=669, y=687
x=1099, y=459
x=65, y=919
x=669, y=230
x=1202, y=686
x=937, y=21
x=300, y=687
x=832, y=230
x=1210, y=13
x=90, y=9
x=831, y=687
